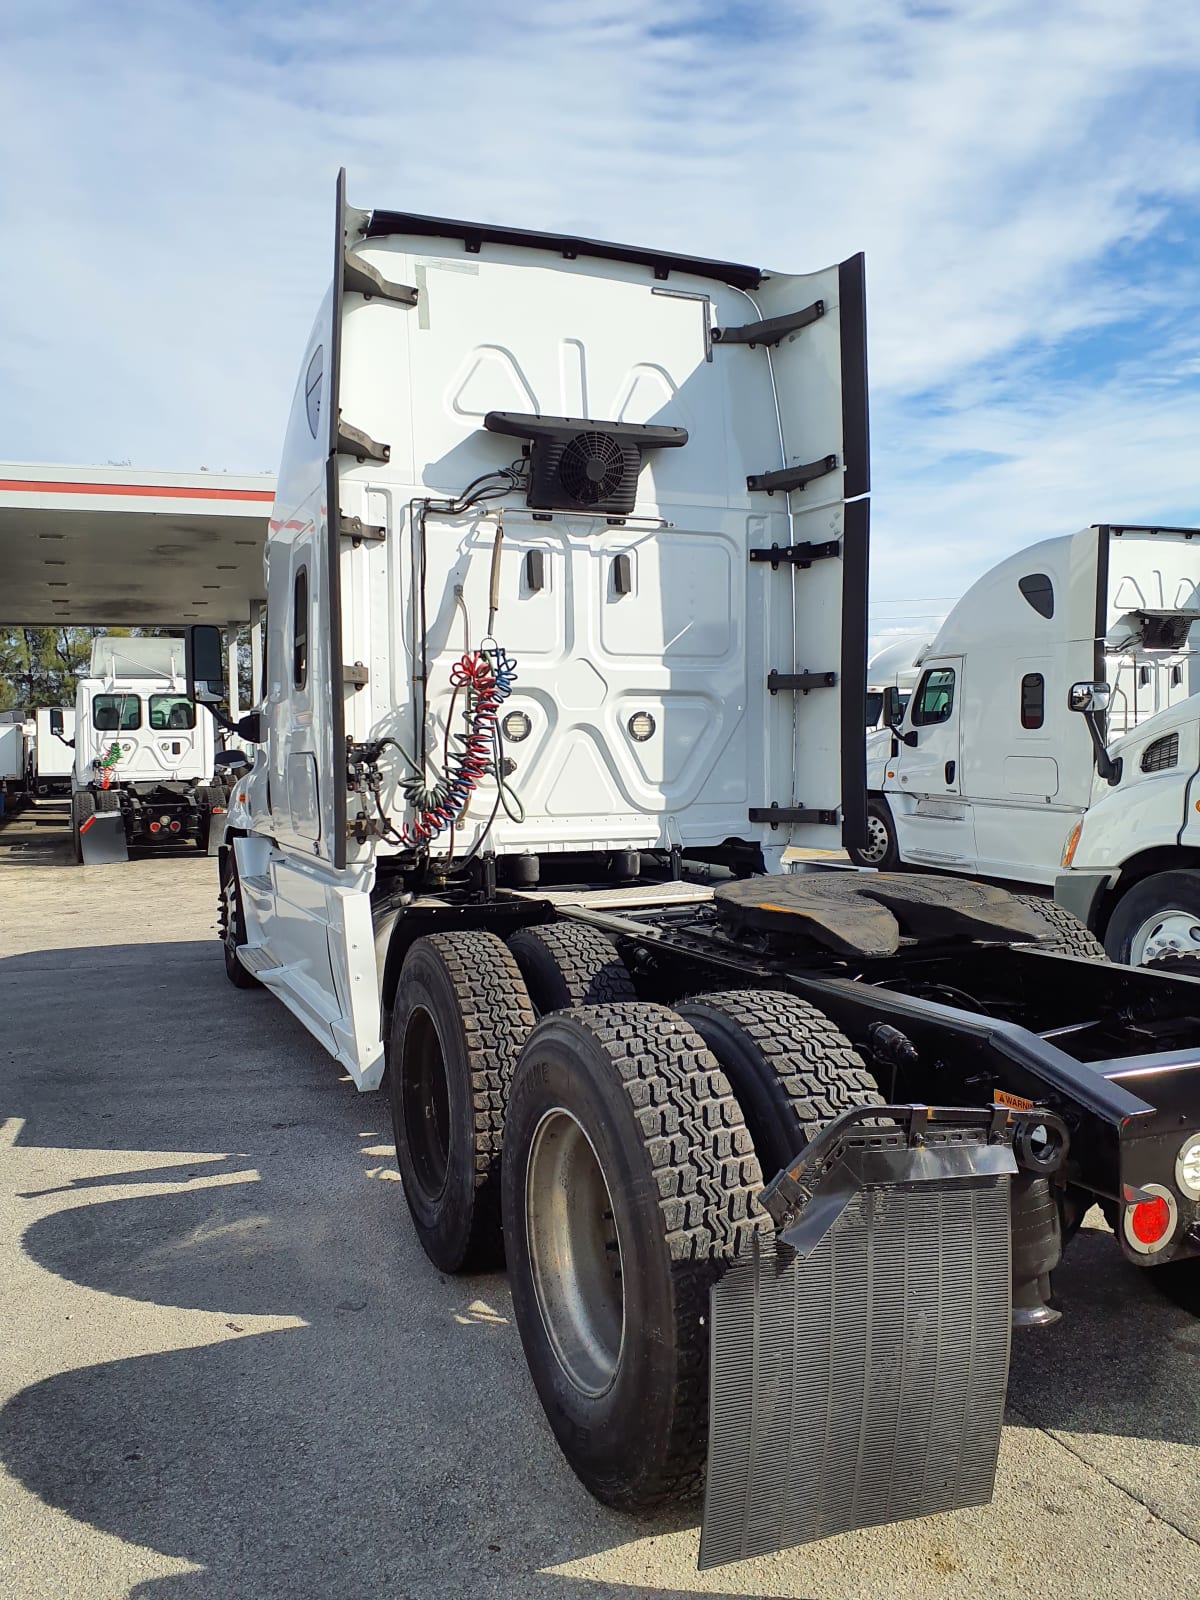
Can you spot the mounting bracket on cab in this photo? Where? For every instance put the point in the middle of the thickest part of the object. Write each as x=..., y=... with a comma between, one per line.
x=800, y=555
x=801, y=682
x=771, y=330
x=778, y=815
x=792, y=477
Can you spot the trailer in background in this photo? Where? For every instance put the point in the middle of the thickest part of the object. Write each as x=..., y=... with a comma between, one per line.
x=51, y=757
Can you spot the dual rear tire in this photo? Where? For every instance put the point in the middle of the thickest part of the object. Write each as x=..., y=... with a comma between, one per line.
x=635, y=1142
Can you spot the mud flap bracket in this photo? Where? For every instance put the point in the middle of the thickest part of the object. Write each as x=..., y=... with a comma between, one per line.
x=859, y=1358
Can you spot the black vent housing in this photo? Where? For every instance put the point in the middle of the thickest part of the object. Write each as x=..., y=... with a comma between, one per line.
x=577, y=464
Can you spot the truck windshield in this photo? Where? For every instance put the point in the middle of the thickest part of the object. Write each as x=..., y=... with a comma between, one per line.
x=116, y=713
x=171, y=711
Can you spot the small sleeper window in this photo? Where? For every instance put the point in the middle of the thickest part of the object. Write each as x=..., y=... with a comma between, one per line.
x=1039, y=591
x=1033, y=700
x=300, y=630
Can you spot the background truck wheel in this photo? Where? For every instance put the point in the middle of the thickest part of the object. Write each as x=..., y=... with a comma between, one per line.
x=1072, y=937
x=570, y=964
x=232, y=920
x=1180, y=966
x=879, y=849
x=629, y=1184
x=83, y=806
x=460, y=1018
x=1158, y=917
x=790, y=1068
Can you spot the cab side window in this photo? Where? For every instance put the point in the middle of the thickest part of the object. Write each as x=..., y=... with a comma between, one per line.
x=934, y=699
x=300, y=630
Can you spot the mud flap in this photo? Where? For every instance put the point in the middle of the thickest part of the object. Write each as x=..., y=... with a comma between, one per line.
x=102, y=837
x=859, y=1360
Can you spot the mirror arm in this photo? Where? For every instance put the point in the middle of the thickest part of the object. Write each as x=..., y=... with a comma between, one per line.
x=1108, y=769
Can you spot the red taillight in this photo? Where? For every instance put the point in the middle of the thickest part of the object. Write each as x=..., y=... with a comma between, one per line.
x=1150, y=1220
x=155, y=826
x=174, y=827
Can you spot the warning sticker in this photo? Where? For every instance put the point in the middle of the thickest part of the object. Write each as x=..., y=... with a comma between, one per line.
x=1014, y=1102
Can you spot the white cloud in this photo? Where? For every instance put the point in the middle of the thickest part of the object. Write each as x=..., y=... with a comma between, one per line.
x=1021, y=176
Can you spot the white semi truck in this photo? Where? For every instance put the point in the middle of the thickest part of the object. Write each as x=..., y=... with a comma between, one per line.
x=999, y=767
x=143, y=772
x=896, y=665
x=566, y=644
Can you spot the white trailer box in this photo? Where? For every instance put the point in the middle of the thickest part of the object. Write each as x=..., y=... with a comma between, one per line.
x=52, y=757
x=12, y=753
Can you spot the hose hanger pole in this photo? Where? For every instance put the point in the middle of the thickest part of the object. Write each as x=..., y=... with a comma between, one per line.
x=494, y=581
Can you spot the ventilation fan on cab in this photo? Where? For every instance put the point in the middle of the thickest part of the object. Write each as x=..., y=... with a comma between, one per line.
x=576, y=464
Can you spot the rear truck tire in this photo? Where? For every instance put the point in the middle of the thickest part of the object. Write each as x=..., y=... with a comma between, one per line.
x=108, y=800
x=460, y=1018
x=880, y=849
x=1072, y=937
x=629, y=1187
x=1160, y=916
x=791, y=1069
x=83, y=806
x=570, y=964
x=231, y=918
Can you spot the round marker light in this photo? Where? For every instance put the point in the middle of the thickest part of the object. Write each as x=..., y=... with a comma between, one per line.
x=1187, y=1167
x=641, y=726
x=1149, y=1223
x=516, y=726
x=174, y=827
x=155, y=827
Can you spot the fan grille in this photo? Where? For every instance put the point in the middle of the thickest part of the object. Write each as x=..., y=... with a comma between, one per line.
x=592, y=468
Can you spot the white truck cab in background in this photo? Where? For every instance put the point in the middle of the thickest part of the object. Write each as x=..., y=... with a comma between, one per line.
x=896, y=665
x=992, y=772
x=143, y=758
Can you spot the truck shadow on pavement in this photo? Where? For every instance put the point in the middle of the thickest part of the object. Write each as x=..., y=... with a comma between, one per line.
x=393, y=1443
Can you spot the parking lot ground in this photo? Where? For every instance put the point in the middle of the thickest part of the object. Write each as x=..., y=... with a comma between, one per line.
x=227, y=1370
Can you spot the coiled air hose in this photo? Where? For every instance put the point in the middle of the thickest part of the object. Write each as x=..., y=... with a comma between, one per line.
x=487, y=676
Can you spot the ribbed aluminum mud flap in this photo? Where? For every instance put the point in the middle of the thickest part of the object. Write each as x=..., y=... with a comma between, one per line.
x=863, y=1381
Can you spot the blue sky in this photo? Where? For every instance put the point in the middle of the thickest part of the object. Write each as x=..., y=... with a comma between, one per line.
x=1024, y=179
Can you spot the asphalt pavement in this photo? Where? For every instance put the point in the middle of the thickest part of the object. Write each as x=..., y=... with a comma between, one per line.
x=227, y=1370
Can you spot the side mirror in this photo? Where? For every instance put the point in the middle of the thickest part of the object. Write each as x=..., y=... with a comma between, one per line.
x=204, y=664
x=893, y=707
x=1092, y=701
x=1087, y=697
x=56, y=722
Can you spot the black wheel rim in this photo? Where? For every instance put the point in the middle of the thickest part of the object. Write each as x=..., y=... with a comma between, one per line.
x=425, y=1105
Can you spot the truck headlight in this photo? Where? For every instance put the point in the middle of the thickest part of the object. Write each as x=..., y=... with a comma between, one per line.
x=1187, y=1167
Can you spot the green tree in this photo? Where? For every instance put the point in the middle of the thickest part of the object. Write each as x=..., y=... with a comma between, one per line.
x=39, y=666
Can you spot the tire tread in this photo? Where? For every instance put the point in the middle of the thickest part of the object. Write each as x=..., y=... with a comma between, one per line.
x=1072, y=937
x=708, y=1180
